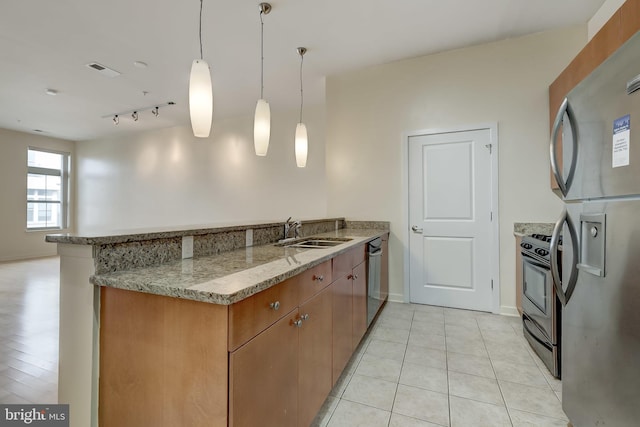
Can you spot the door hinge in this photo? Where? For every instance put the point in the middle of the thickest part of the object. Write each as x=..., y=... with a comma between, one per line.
x=491, y=284
x=489, y=147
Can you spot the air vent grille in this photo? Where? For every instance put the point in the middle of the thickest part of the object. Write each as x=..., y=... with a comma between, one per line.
x=103, y=69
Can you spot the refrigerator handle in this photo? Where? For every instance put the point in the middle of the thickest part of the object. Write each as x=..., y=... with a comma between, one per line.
x=564, y=296
x=565, y=107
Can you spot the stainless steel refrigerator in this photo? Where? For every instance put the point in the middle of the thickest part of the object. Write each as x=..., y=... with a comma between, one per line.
x=599, y=281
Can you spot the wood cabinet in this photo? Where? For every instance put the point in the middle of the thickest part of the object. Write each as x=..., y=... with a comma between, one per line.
x=287, y=367
x=263, y=378
x=252, y=315
x=314, y=356
x=269, y=360
x=349, y=307
x=342, y=331
x=519, y=288
x=359, y=278
x=163, y=361
x=619, y=28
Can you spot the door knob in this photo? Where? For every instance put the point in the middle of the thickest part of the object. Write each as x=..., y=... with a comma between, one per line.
x=415, y=229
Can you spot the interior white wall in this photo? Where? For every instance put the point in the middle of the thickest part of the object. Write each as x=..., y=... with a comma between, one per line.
x=606, y=11
x=168, y=178
x=505, y=82
x=17, y=242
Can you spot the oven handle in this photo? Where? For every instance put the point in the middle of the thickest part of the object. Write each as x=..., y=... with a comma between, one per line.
x=564, y=296
x=564, y=186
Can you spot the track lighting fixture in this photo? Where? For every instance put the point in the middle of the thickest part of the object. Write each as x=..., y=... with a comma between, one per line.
x=301, y=144
x=135, y=114
x=262, y=121
x=200, y=93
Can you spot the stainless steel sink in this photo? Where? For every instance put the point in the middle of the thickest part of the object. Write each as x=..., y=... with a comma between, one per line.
x=316, y=243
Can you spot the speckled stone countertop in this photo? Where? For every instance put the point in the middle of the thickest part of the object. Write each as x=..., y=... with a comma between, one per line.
x=232, y=276
x=123, y=236
x=528, y=228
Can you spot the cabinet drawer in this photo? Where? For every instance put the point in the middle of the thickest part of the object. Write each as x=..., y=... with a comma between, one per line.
x=251, y=316
x=344, y=263
x=313, y=280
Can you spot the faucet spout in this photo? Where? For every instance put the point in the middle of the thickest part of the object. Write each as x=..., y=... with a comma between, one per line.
x=292, y=225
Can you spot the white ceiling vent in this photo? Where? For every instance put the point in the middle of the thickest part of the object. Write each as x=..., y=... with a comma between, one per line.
x=102, y=69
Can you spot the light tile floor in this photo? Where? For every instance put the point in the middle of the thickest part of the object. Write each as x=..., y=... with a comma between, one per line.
x=418, y=366
x=431, y=366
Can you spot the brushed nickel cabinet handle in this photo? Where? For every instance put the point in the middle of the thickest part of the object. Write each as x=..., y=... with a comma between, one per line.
x=297, y=323
x=275, y=305
x=319, y=278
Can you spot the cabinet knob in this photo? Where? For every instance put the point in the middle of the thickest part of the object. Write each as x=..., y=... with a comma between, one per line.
x=275, y=305
x=297, y=323
x=318, y=278
x=305, y=316
x=355, y=276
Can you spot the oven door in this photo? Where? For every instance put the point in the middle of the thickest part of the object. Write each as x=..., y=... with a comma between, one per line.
x=537, y=301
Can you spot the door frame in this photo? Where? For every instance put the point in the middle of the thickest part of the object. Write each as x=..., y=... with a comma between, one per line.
x=495, y=231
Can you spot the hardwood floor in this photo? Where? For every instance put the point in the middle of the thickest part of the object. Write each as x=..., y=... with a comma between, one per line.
x=29, y=331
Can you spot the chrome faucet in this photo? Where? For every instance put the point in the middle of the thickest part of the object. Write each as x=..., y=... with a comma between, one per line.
x=292, y=225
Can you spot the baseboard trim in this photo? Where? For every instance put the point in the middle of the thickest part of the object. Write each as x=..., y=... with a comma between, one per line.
x=506, y=310
x=28, y=257
x=396, y=297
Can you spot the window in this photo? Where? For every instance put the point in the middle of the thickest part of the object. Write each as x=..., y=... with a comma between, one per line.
x=47, y=188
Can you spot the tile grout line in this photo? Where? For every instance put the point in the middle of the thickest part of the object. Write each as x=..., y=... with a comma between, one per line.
x=506, y=407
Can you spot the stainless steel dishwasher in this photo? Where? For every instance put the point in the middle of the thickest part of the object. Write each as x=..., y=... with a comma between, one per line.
x=374, y=300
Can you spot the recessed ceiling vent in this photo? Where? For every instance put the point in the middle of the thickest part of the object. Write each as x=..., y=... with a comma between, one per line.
x=103, y=69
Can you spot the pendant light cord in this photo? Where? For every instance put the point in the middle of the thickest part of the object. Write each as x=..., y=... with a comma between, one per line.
x=301, y=91
x=261, y=57
x=200, y=30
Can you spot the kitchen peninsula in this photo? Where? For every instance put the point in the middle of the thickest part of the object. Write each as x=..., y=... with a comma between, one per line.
x=209, y=326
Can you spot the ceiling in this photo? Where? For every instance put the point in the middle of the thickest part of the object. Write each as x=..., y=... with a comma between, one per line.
x=46, y=44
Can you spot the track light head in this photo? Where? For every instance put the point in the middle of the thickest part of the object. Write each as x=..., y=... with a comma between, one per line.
x=116, y=120
x=134, y=116
x=155, y=111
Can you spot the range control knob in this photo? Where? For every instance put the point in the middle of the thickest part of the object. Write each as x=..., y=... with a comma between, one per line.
x=542, y=252
x=526, y=245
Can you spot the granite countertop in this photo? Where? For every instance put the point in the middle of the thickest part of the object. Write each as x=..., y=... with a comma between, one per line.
x=528, y=228
x=231, y=276
x=123, y=236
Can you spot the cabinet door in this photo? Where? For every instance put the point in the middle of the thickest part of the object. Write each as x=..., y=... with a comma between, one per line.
x=263, y=378
x=342, y=334
x=359, y=277
x=314, y=356
x=518, y=275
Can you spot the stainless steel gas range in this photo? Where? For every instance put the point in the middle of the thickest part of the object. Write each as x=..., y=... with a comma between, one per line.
x=541, y=309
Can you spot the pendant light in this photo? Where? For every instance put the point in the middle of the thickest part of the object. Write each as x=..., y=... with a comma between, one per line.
x=301, y=141
x=262, y=122
x=200, y=93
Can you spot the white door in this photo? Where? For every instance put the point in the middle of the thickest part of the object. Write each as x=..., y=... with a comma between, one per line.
x=450, y=245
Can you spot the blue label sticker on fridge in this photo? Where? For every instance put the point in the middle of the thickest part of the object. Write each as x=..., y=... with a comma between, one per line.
x=621, y=137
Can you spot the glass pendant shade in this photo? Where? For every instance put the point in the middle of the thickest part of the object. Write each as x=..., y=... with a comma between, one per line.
x=200, y=98
x=301, y=145
x=262, y=128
